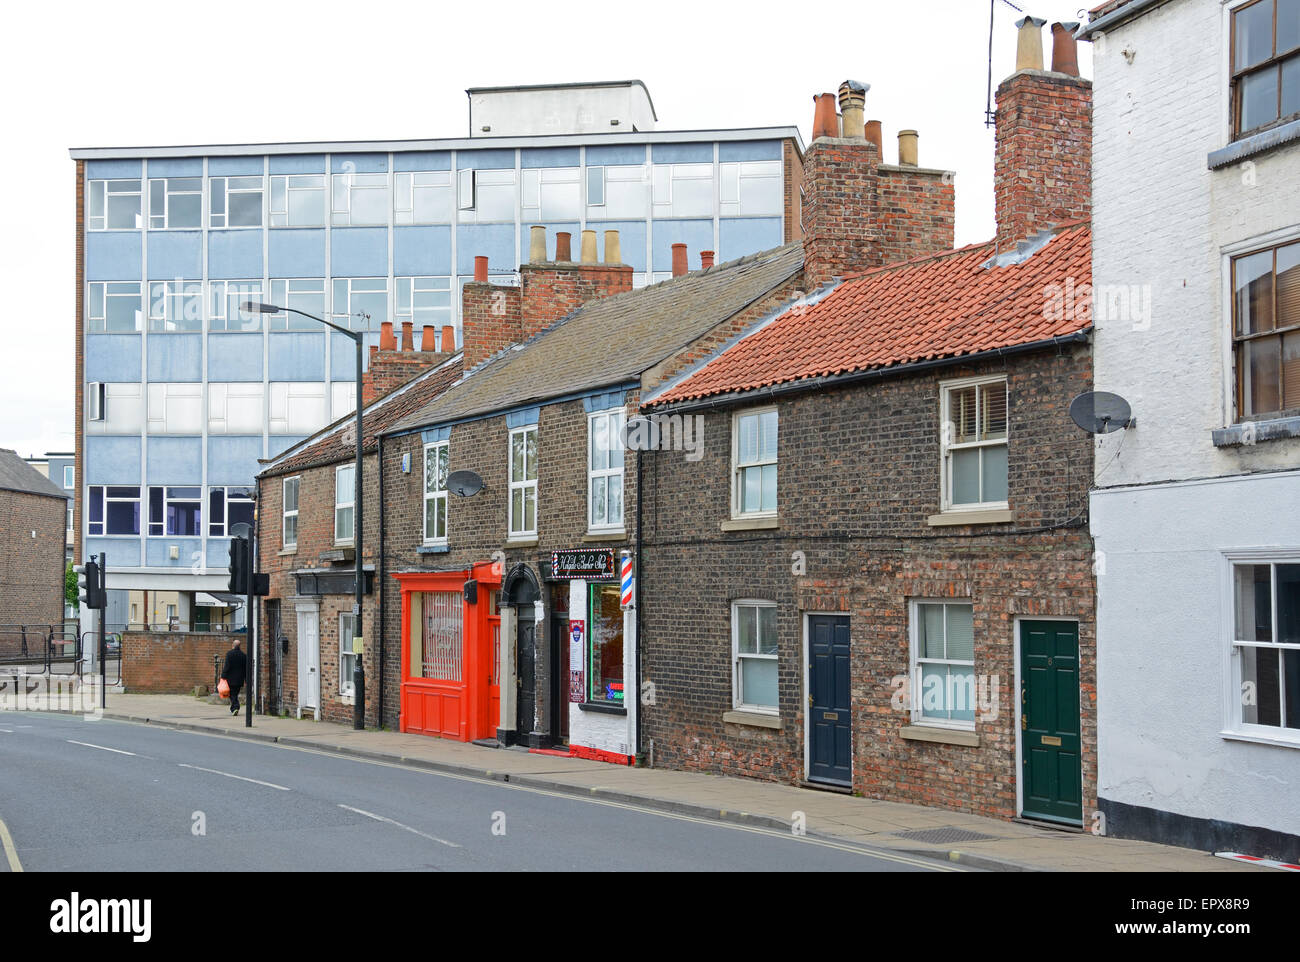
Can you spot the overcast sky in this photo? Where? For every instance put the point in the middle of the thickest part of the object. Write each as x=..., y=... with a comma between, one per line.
x=98, y=74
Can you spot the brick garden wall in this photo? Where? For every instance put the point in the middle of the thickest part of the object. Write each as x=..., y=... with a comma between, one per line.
x=171, y=662
x=858, y=476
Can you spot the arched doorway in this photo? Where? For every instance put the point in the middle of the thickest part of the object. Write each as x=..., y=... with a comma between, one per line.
x=522, y=591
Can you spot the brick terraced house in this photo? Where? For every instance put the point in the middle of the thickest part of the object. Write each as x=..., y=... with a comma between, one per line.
x=509, y=545
x=305, y=499
x=33, y=512
x=878, y=577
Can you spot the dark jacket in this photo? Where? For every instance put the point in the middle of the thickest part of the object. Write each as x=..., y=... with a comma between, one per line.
x=235, y=668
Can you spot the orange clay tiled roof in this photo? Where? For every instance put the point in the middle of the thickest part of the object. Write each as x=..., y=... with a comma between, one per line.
x=938, y=306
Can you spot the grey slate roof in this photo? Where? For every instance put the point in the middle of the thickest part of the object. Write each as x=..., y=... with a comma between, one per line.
x=612, y=340
x=17, y=475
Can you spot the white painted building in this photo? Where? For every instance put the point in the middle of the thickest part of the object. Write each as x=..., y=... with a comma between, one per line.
x=1196, y=510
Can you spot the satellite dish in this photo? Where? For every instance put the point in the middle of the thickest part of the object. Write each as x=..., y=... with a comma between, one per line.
x=466, y=484
x=1100, y=412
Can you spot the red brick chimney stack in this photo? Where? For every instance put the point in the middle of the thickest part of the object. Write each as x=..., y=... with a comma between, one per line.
x=552, y=289
x=860, y=212
x=1043, y=160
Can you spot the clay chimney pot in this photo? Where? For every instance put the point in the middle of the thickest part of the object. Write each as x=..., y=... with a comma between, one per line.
x=480, y=269
x=679, y=260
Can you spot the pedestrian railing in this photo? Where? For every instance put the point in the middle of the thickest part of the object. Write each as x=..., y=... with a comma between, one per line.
x=53, y=648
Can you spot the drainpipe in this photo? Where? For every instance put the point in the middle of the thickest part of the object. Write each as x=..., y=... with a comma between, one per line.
x=640, y=575
x=379, y=580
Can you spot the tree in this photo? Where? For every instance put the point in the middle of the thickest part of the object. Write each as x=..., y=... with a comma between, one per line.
x=70, y=594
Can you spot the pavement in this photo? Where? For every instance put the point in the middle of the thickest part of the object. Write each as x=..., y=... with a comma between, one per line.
x=971, y=840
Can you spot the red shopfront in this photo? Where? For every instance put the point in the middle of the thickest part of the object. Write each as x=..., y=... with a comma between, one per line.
x=451, y=639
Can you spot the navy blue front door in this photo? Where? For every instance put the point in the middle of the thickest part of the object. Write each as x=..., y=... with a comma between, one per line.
x=830, y=724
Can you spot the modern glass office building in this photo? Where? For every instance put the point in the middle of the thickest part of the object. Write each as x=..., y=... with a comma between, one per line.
x=180, y=393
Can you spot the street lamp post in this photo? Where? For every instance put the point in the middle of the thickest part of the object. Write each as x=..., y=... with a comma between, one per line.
x=358, y=670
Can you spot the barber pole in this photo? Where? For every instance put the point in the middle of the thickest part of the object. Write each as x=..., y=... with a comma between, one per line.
x=627, y=579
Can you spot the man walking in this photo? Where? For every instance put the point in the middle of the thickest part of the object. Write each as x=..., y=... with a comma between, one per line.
x=234, y=671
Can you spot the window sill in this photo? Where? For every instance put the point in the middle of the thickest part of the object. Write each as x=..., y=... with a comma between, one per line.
x=990, y=516
x=603, y=709
x=1273, y=429
x=620, y=535
x=522, y=543
x=1279, y=741
x=1252, y=144
x=433, y=549
x=281, y=554
x=942, y=736
x=751, y=524
x=753, y=719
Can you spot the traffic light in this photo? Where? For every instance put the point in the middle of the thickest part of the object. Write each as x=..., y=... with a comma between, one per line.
x=240, y=566
x=90, y=585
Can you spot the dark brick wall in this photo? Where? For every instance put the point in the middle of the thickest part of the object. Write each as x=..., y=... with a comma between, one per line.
x=552, y=291
x=489, y=320
x=315, y=538
x=858, y=476
x=31, y=569
x=915, y=210
x=477, y=526
x=792, y=166
x=1043, y=167
x=860, y=213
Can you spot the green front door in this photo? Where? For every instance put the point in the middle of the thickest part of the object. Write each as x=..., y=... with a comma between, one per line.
x=1049, y=721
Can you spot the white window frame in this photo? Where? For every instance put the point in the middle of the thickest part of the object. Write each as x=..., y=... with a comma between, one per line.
x=405, y=185
x=737, y=694
x=915, y=661
x=615, y=418
x=289, y=183
x=97, y=323
x=436, y=495
x=223, y=306
x=735, y=176
x=664, y=179
x=286, y=292
x=171, y=304
x=408, y=289
x=342, y=188
x=344, y=289
x=608, y=174
x=222, y=529
x=469, y=184
x=524, y=484
x=221, y=221
x=286, y=513
x=340, y=506
x=146, y=509
x=948, y=431
x=105, y=499
x=1233, y=726
x=737, y=488
x=101, y=187
x=164, y=219
x=347, y=627
x=533, y=182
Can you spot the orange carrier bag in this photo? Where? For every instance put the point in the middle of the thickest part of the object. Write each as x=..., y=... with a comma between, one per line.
x=223, y=688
